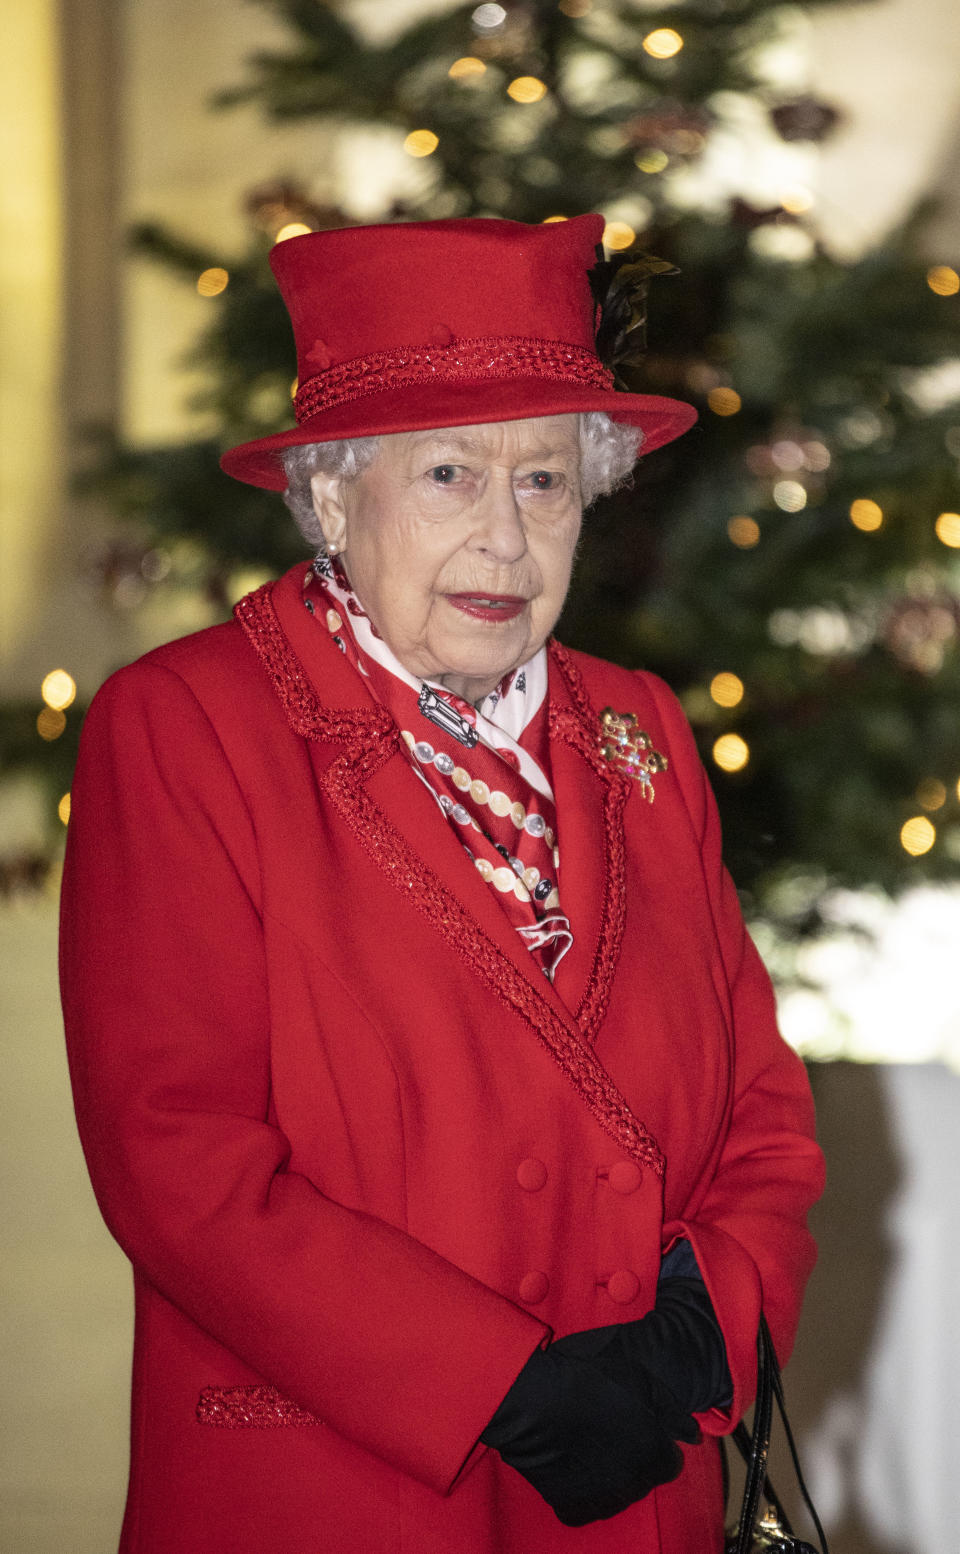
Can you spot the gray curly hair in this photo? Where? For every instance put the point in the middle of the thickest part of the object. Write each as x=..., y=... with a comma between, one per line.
x=608, y=452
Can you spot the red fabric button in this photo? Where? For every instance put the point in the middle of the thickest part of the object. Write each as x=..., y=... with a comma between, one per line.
x=531, y=1174
x=625, y=1176
x=533, y=1287
x=623, y=1286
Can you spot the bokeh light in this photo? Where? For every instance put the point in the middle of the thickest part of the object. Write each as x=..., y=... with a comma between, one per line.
x=726, y=689
x=866, y=515
x=948, y=529
x=787, y=455
x=463, y=69
x=210, y=283
x=744, y=531
x=816, y=456
x=548, y=221
x=796, y=199
x=59, y=689
x=652, y=161
x=724, y=401
x=790, y=496
x=731, y=753
x=63, y=808
x=421, y=142
x=917, y=835
x=51, y=723
x=618, y=234
x=466, y=67
x=931, y=793
x=487, y=17
x=292, y=229
x=575, y=7
x=526, y=89
x=663, y=43
x=944, y=280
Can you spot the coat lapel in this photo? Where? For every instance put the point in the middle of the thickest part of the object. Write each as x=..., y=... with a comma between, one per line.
x=370, y=784
x=591, y=798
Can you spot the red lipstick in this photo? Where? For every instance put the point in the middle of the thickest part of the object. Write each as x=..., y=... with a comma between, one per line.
x=488, y=607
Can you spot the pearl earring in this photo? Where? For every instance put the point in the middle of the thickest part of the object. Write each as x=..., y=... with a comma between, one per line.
x=333, y=549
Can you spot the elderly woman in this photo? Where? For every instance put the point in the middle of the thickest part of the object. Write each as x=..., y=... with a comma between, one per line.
x=423, y=1064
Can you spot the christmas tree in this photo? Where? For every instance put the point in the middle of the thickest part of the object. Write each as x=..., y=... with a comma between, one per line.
x=791, y=567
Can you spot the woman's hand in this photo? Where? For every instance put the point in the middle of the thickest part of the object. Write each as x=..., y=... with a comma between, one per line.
x=679, y=1343
x=591, y=1445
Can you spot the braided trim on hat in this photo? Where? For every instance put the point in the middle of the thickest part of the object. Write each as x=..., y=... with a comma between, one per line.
x=497, y=357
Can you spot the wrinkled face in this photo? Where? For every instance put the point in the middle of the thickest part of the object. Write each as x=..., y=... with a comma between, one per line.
x=459, y=543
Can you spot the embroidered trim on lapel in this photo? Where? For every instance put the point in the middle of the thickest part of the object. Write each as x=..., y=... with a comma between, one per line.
x=426, y=891
x=257, y=614
x=577, y=729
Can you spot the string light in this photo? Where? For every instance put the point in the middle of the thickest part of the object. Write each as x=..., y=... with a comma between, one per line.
x=292, y=229
x=866, y=515
x=731, y=753
x=931, y=793
x=469, y=65
x=724, y=401
x=63, y=808
x=948, y=530
x=944, y=280
x=59, y=689
x=51, y=724
x=816, y=456
x=421, y=142
x=487, y=17
x=526, y=89
x=787, y=455
x=726, y=689
x=663, y=43
x=744, y=531
x=210, y=283
x=618, y=234
x=917, y=835
x=790, y=496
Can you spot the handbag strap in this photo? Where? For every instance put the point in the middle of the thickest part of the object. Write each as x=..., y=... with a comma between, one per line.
x=755, y=1448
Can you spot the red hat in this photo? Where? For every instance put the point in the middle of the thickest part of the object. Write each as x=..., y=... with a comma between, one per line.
x=443, y=323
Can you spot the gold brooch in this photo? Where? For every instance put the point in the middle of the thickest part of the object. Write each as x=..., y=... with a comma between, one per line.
x=629, y=748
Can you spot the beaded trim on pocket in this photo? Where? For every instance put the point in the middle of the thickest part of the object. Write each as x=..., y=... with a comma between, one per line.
x=249, y=1408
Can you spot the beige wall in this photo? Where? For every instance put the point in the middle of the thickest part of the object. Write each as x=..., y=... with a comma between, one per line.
x=895, y=67
x=31, y=334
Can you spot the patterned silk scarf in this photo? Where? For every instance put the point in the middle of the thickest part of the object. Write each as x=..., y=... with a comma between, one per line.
x=484, y=765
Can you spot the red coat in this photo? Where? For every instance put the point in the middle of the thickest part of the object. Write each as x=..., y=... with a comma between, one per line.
x=362, y=1156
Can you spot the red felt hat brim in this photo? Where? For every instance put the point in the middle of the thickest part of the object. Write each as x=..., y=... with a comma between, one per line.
x=431, y=405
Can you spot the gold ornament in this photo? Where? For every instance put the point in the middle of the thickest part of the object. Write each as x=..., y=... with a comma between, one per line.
x=629, y=749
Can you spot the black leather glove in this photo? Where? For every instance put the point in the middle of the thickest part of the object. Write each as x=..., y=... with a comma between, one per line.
x=588, y=1443
x=679, y=1342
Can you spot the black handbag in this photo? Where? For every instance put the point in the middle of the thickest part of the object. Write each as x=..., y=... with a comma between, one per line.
x=769, y=1533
